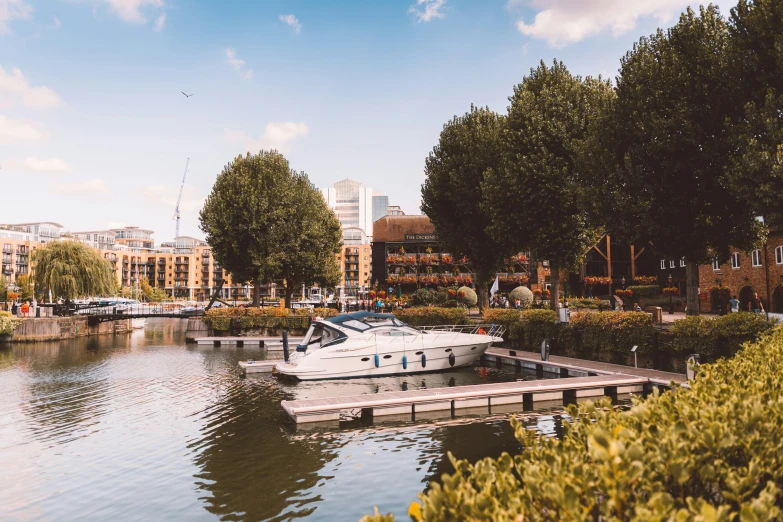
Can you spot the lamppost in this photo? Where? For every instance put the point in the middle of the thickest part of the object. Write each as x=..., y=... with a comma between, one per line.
x=622, y=282
x=671, y=303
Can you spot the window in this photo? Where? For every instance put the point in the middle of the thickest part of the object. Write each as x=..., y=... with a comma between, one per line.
x=663, y=264
x=735, y=260
x=779, y=255
x=671, y=263
x=682, y=262
x=716, y=264
x=755, y=258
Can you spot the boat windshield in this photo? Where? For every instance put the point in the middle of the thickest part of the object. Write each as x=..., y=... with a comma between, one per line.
x=317, y=336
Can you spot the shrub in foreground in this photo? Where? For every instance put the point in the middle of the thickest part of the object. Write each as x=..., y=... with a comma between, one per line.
x=432, y=316
x=721, y=336
x=711, y=452
x=8, y=323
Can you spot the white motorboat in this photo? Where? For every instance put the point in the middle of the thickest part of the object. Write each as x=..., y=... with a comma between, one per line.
x=365, y=344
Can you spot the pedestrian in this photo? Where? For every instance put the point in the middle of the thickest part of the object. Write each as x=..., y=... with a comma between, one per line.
x=619, y=304
x=638, y=308
x=733, y=305
x=505, y=303
x=755, y=304
x=25, y=308
x=518, y=304
x=14, y=308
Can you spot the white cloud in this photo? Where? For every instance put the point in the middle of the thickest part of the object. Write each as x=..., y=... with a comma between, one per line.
x=292, y=21
x=15, y=89
x=159, y=193
x=277, y=135
x=13, y=10
x=51, y=166
x=15, y=131
x=131, y=10
x=160, y=23
x=238, y=64
x=92, y=186
x=426, y=10
x=563, y=22
x=57, y=23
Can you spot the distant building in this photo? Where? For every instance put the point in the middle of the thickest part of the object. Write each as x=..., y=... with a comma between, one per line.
x=394, y=210
x=380, y=206
x=100, y=239
x=352, y=204
x=135, y=237
x=42, y=232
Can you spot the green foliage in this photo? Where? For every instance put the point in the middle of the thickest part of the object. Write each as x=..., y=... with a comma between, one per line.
x=25, y=285
x=592, y=304
x=613, y=332
x=524, y=295
x=533, y=327
x=645, y=290
x=451, y=196
x=709, y=452
x=721, y=336
x=71, y=269
x=432, y=316
x=8, y=323
x=537, y=197
x=424, y=297
x=266, y=222
x=225, y=318
x=663, y=302
x=506, y=317
x=467, y=296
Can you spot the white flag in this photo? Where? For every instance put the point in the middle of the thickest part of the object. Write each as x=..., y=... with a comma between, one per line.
x=494, y=288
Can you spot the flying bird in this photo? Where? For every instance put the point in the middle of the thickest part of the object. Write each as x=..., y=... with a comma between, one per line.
x=186, y=95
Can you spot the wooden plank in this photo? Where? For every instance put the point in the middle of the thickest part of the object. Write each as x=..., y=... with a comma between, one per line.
x=308, y=410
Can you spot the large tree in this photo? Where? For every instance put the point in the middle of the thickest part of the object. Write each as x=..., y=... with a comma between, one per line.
x=667, y=144
x=756, y=71
x=71, y=269
x=469, y=147
x=537, y=197
x=265, y=222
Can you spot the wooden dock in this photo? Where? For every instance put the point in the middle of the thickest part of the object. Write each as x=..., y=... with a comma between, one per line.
x=409, y=403
x=258, y=366
x=268, y=343
x=570, y=367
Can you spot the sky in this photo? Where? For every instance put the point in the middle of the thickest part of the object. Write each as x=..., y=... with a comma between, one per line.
x=95, y=130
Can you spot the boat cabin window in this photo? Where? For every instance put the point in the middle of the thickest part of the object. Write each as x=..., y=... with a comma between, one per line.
x=356, y=325
x=318, y=336
x=313, y=335
x=328, y=336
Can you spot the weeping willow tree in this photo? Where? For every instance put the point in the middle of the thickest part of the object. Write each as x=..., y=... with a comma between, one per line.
x=71, y=269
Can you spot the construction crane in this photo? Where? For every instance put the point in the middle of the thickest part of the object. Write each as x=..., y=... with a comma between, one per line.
x=176, y=209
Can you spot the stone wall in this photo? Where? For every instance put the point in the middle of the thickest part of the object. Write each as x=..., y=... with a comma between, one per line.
x=57, y=328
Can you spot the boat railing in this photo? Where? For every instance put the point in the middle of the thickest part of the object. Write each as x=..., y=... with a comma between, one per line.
x=494, y=330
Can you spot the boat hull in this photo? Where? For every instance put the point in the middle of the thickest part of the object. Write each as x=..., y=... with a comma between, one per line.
x=360, y=361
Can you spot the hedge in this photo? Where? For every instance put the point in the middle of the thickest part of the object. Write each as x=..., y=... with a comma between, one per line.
x=533, y=327
x=432, y=316
x=224, y=318
x=8, y=323
x=721, y=336
x=615, y=332
x=506, y=317
x=645, y=290
x=711, y=452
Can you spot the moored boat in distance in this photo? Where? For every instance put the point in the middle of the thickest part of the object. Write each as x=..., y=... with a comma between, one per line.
x=366, y=344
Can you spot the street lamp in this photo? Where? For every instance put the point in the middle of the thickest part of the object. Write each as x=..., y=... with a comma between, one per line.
x=671, y=303
x=622, y=282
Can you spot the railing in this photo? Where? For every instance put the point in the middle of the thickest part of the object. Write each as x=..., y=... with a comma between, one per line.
x=119, y=309
x=494, y=330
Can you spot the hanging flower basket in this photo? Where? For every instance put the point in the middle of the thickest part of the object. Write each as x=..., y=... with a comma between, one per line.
x=645, y=280
x=671, y=291
x=624, y=293
x=596, y=280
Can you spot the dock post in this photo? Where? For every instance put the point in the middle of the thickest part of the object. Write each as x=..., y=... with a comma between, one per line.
x=611, y=392
x=285, y=345
x=527, y=402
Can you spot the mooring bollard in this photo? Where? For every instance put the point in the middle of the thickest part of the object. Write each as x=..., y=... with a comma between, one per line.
x=285, y=345
x=692, y=363
x=545, y=349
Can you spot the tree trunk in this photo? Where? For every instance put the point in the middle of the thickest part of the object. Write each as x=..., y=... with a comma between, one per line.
x=482, y=291
x=257, y=292
x=554, y=298
x=692, y=286
x=288, y=295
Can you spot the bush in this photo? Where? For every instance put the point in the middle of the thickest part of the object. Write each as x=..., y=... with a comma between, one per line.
x=663, y=302
x=8, y=323
x=424, y=297
x=467, y=296
x=506, y=317
x=592, y=304
x=273, y=317
x=645, y=290
x=524, y=295
x=721, y=336
x=711, y=451
x=432, y=316
x=694, y=334
x=615, y=332
x=533, y=327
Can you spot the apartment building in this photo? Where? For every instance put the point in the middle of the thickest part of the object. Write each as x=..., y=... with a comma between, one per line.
x=355, y=267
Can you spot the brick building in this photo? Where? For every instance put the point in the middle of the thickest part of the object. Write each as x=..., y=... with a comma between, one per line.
x=760, y=270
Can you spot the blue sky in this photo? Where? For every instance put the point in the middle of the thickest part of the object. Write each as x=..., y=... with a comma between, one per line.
x=94, y=131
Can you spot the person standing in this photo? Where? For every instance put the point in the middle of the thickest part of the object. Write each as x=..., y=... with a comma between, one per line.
x=14, y=308
x=734, y=305
x=755, y=305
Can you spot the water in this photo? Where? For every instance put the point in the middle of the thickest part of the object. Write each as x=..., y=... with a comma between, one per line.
x=143, y=427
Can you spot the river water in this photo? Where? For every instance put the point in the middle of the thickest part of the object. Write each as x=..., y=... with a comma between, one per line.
x=145, y=427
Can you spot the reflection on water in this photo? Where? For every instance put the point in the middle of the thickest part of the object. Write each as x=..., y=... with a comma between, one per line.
x=141, y=426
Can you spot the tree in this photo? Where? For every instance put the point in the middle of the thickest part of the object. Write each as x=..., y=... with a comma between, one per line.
x=70, y=269
x=667, y=146
x=756, y=71
x=25, y=287
x=151, y=294
x=468, y=148
x=265, y=221
x=537, y=197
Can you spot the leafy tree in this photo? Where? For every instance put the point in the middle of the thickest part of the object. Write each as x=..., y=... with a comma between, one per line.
x=756, y=72
x=469, y=146
x=265, y=221
x=71, y=269
x=537, y=197
x=25, y=287
x=667, y=146
x=150, y=293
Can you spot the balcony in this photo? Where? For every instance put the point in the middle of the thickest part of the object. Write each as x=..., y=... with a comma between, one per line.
x=205, y=262
x=205, y=284
x=161, y=261
x=181, y=270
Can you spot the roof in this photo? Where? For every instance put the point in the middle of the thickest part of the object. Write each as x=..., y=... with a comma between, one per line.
x=358, y=316
x=394, y=228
